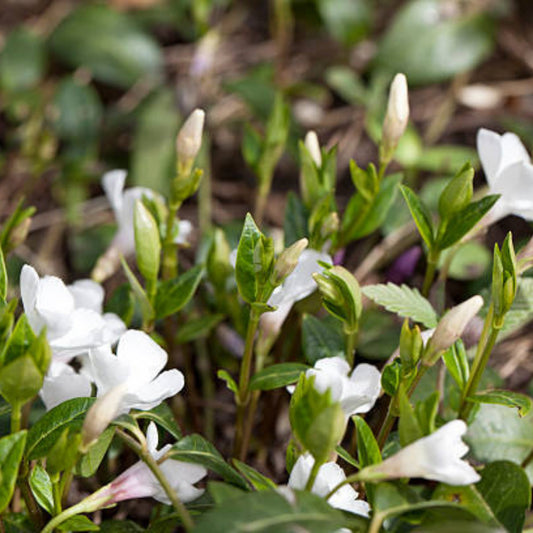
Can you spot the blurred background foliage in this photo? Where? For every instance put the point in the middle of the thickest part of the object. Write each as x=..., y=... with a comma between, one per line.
x=89, y=86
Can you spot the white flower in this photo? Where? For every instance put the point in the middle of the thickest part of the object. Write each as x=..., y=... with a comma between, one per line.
x=313, y=147
x=138, y=363
x=436, y=457
x=297, y=285
x=329, y=476
x=63, y=383
x=139, y=482
x=189, y=138
x=123, y=204
x=509, y=172
x=72, y=315
x=357, y=392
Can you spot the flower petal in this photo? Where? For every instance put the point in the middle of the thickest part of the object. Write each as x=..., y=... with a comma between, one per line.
x=361, y=390
x=62, y=384
x=29, y=283
x=113, y=184
x=54, y=304
x=150, y=395
x=88, y=294
x=489, y=148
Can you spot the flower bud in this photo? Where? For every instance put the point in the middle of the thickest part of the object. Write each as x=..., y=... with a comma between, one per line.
x=147, y=242
x=189, y=138
x=102, y=412
x=313, y=147
x=450, y=328
x=396, y=118
x=287, y=261
x=106, y=265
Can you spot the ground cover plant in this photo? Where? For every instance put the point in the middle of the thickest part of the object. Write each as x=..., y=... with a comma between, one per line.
x=290, y=293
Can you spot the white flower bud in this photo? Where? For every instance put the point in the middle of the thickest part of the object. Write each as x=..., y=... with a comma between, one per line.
x=451, y=327
x=189, y=137
x=101, y=413
x=397, y=115
x=313, y=147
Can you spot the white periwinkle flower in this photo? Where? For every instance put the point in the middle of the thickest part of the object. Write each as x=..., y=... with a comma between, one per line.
x=138, y=363
x=436, y=457
x=139, y=482
x=509, y=172
x=329, y=476
x=297, y=285
x=357, y=392
x=72, y=315
x=63, y=383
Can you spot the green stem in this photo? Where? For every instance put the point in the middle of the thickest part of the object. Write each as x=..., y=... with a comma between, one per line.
x=243, y=396
x=431, y=267
x=312, y=476
x=527, y=460
x=387, y=425
x=16, y=410
x=145, y=456
x=351, y=340
x=57, y=493
x=170, y=256
x=478, y=368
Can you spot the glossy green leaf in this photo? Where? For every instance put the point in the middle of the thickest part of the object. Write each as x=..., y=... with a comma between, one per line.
x=270, y=512
x=276, y=376
x=224, y=375
x=44, y=433
x=257, y=480
x=163, y=416
x=195, y=449
x=90, y=461
x=409, y=428
x=404, y=301
x=429, y=45
x=367, y=446
x=504, y=397
x=22, y=60
x=11, y=450
x=420, y=214
x=390, y=377
x=41, y=487
x=321, y=338
x=463, y=221
x=174, y=294
x=456, y=362
x=108, y=44
x=78, y=523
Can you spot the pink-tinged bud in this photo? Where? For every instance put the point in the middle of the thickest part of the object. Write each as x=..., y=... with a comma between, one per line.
x=189, y=138
x=451, y=327
x=100, y=415
x=313, y=147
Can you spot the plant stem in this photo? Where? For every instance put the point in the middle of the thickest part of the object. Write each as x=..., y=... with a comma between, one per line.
x=170, y=256
x=387, y=425
x=143, y=453
x=16, y=410
x=312, y=476
x=527, y=460
x=431, y=267
x=351, y=340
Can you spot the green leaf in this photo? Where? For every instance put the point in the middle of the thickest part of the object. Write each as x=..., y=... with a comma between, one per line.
x=404, y=301
x=22, y=61
x=174, y=294
x=426, y=412
x=41, y=487
x=146, y=307
x=429, y=46
x=463, y=221
x=344, y=455
x=197, y=328
x=390, y=377
x=11, y=450
x=409, y=428
x=154, y=151
x=90, y=461
x=456, y=362
x=224, y=375
x=3, y=277
x=504, y=397
x=445, y=159
x=245, y=266
x=367, y=447
x=469, y=261
x=78, y=523
x=162, y=415
x=321, y=338
x=195, y=449
x=420, y=214
x=120, y=526
x=257, y=480
x=77, y=112
x=222, y=492
x=505, y=488
x=108, y=44
x=277, y=376
x=18, y=523
x=499, y=433
x=295, y=221
x=43, y=434
x=346, y=20
x=269, y=512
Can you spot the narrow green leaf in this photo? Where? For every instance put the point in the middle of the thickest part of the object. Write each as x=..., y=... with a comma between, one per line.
x=409, y=429
x=163, y=416
x=174, y=294
x=41, y=487
x=504, y=397
x=456, y=362
x=230, y=382
x=11, y=450
x=404, y=301
x=195, y=449
x=245, y=266
x=146, y=307
x=367, y=446
x=463, y=221
x=420, y=214
x=3, y=276
x=276, y=376
x=343, y=454
x=257, y=480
